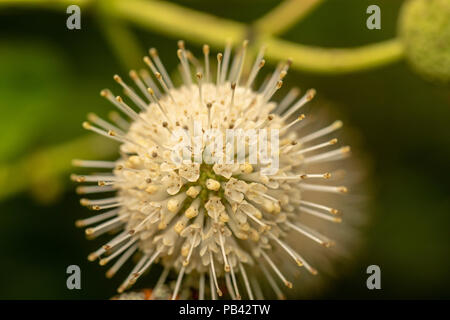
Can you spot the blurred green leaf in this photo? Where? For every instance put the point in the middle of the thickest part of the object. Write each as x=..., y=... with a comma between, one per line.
x=32, y=86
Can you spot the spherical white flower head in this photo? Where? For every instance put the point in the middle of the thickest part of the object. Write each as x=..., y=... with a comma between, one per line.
x=221, y=215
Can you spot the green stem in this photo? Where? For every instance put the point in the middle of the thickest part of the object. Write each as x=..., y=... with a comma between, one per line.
x=123, y=42
x=48, y=4
x=176, y=21
x=284, y=16
x=334, y=60
x=179, y=22
x=200, y=28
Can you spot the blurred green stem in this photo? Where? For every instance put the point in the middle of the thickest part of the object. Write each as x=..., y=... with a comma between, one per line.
x=179, y=22
x=198, y=27
x=284, y=16
x=331, y=60
x=49, y=4
x=123, y=42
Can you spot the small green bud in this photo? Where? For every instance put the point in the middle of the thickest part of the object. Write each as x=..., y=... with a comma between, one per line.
x=424, y=28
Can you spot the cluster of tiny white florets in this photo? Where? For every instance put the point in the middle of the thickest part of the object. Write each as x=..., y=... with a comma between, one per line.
x=209, y=222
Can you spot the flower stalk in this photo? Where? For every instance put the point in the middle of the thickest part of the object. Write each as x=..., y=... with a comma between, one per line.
x=284, y=16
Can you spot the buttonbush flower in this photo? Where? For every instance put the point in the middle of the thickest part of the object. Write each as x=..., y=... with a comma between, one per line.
x=228, y=229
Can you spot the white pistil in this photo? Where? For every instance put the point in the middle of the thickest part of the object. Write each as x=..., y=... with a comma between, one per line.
x=328, y=156
x=115, y=117
x=206, y=55
x=213, y=271
x=146, y=265
x=233, y=278
x=309, y=95
x=184, y=62
x=211, y=286
x=117, y=240
x=191, y=249
x=158, y=76
x=226, y=59
x=319, y=206
x=241, y=63
x=270, y=91
x=135, y=77
x=320, y=215
x=325, y=175
x=233, y=91
x=287, y=100
x=107, y=183
x=143, y=222
x=302, y=229
x=270, y=81
x=322, y=188
x=219, y=62
x=199, y=77
x=92, y=178
x=104, y=261
x=209, y=106
x=316, y=147
x=93, y=164
x=121, y=261
x=265, y=82
x=94, y=255
x=138, y=265
x=258, y=221
x=103, y=124
x=154, y=54
x=201, y=287
x=149, y=83
x=156, y=101
x=178, y=283
x=285, y=177
x=229, y=286
x=264, y=195
x=164, y=85
x=113, y=135
x=276, y=270
x=286, y=248
x=90, y=231
x=322, y=132
x=97, y=218
x=257, y=288
x=88, y=126
x=94, y=189
x=224, y=255
x=116, y=101
x=194, y=61
x=285, y=128
x=259, y=63
x=307, y=265
x=288, y=147
x=245, y=278
x=130, y=92
x=90, y=202
x=106, y=206
x=161, y=280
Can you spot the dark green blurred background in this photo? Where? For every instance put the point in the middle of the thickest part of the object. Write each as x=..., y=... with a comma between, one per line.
x=51, y=77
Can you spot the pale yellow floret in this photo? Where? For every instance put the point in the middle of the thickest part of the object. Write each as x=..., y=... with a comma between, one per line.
x=212, y=184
